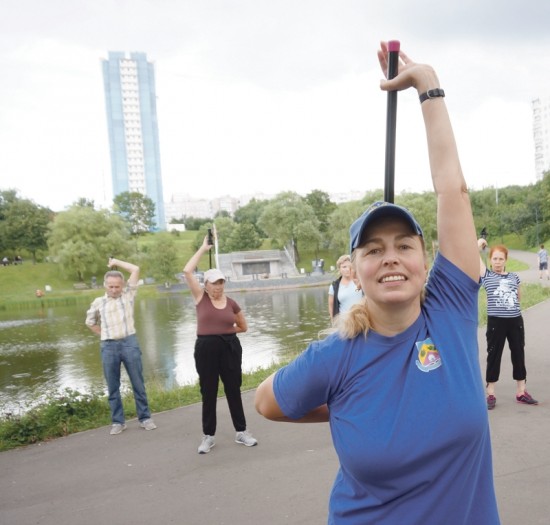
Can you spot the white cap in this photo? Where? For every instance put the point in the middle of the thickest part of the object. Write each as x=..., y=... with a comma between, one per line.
x=213, y=275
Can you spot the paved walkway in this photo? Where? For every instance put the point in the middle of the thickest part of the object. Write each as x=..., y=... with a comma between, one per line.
x=157, y=477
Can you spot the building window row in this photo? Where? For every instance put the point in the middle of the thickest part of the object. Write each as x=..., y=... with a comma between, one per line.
x=134, y=151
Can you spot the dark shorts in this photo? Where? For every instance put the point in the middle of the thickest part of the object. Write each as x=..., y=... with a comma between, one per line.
x=543, y=266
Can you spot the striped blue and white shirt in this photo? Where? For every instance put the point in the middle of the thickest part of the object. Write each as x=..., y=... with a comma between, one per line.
x=502, y=294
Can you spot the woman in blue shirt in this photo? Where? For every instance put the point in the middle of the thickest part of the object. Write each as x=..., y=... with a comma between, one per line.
x=399, y=382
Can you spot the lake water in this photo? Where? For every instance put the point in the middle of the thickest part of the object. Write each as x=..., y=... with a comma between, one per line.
x=46, y=350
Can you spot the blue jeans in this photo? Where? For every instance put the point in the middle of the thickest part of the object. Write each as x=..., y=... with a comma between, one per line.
x=115, y=352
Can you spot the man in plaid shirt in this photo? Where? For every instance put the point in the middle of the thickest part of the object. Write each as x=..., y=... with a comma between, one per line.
x=112, y=318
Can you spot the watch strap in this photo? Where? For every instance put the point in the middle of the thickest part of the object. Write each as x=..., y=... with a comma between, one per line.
x=431, y=93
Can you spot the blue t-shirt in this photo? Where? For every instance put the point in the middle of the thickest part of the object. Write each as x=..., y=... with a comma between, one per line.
x=407, y=414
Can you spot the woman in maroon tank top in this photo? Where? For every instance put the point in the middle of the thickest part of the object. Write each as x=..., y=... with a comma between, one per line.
x=218, y=351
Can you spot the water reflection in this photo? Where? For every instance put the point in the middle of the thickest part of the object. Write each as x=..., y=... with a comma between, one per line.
x=47, y=350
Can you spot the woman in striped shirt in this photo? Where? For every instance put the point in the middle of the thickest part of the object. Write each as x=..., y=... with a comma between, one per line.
x=504, y=322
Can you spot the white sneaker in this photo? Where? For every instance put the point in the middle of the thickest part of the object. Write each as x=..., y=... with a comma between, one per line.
x=245, y=438
x=117, y=428
x=207, y=443
x=148, y=424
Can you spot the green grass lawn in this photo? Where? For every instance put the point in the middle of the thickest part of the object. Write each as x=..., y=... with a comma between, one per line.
x=19, y=283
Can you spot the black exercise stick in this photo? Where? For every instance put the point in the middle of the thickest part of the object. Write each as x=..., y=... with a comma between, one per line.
x=391, y=115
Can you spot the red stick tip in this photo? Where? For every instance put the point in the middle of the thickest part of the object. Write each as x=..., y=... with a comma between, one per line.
x=393, y=46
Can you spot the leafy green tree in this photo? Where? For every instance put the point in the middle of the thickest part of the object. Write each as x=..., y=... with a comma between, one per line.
x=289, y=219
x=137, y=210
x=538, y=228
x=27, y=226
x=162, y=261
x=486, y=211
x=250, y=213
x=514, y=212
x=194, y=223
x=23, y=224
x=243, y=237
x=322, y=207
x=82, y=239
x=338, y=225
x=224, y=228
x=424, y=208
x=83, y=202
x=7, y=198
x=543, y=189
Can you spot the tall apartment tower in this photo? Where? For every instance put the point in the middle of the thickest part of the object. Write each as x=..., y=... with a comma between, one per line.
x=130, y=97
x=541, y=135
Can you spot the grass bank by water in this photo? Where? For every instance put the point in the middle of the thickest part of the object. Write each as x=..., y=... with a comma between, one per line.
x=70, y=411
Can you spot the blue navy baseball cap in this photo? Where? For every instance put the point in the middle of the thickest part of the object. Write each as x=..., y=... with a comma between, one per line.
x=377, y=211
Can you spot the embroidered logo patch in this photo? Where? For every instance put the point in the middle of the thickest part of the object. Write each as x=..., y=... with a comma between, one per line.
x=428, y=356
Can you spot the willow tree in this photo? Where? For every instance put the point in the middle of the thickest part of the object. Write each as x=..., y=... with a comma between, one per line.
x=288, y=218
x=137, y=210
x=82, y=239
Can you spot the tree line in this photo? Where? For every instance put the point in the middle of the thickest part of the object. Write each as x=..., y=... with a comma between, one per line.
x=80, y=238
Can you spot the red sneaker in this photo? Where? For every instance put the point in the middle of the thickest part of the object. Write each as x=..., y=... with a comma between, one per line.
x=526, y=399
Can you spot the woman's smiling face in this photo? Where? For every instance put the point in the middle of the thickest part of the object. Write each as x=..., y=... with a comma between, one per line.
x=391, y=262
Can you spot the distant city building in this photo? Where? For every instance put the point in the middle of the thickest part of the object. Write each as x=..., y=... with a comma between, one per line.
x=348, y=196
x=180, y=206
x=225, y=204
x=130, y=96
x=183, y=205
x=541, y=135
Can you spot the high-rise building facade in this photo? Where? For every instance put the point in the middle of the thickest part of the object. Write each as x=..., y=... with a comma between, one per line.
x=541, y=135
x=130, y=96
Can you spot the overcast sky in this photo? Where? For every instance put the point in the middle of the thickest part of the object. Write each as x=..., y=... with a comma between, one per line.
x=266, y=95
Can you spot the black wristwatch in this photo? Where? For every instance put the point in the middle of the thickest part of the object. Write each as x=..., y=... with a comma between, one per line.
x=431, y=93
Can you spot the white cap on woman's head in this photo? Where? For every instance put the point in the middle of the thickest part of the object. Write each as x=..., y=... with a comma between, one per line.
x=213, y=275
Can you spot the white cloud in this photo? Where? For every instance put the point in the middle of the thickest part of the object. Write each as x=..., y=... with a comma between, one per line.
x=266, y=96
